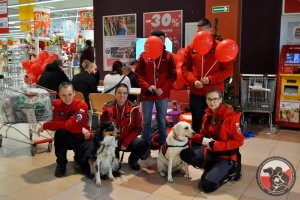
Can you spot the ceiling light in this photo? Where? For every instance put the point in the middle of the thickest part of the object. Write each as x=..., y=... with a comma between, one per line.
x=32, y=3
x=66, y=17
x=68, y=9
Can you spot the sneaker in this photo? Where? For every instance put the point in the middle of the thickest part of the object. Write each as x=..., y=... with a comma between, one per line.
x=134, y=166
x=60, y=170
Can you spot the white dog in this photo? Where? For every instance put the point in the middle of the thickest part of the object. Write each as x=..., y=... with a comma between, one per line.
x=103, y=161
x=168, y=158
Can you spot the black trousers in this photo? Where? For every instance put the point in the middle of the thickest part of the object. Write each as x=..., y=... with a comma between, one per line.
x=197, y=105
x=63, y=141
x=215, y=168
x=138, y=147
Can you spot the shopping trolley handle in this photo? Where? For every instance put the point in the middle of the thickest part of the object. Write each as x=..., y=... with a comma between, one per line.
x=1, y=76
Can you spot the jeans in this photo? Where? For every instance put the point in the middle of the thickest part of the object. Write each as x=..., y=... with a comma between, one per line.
x=161, y=112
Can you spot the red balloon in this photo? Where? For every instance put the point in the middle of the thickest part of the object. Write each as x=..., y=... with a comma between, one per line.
x=44, y=67
x=48, y=60
x=43, y=55
x=226, y=50
x=180, y=54
x=26, y=64
x=153, y=47
x=55, y=56
x=30, y=78
x=36, y=69
x=202, y=42
x=38, y=60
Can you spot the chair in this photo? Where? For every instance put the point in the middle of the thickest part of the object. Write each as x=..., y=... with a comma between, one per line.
x=79, y=95
x=98, y=100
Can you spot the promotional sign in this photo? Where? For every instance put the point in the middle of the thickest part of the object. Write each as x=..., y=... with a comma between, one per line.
x=86, y=20
x=25, y=15
x=119, y=35
x=291, y=6
x=3, y=17
x=41, y=22
x=170, y=22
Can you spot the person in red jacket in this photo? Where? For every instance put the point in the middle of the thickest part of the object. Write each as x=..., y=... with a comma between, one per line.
x=128, y=120
x=155, y=79
x=220, y=138
x=202, y=78
x=72, y=131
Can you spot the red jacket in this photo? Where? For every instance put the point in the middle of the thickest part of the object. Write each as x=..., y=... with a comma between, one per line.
x=192, y=70
x=71, y=117
x=129, y=121
x=225, y=131
x=146, y=75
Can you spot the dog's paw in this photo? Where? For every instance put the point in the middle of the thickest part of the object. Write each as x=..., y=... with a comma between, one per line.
x=98, y=184
x=162, y=174
x=187, y=176
x=170, y=179
x=111, y=178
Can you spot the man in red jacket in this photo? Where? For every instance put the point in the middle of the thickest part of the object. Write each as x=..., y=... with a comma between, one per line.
x=70, y=121
x=202, y=78
x=155, y=78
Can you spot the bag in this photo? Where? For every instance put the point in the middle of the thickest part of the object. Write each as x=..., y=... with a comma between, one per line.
x=107, y=91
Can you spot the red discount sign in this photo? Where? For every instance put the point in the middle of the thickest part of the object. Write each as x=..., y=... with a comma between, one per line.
x=170, y=22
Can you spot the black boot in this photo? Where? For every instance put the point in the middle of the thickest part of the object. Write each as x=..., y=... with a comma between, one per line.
x=133, y=162
x=60, y=170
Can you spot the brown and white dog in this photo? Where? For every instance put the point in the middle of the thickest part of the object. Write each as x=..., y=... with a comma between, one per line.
x=168, y=159
x=103, y=161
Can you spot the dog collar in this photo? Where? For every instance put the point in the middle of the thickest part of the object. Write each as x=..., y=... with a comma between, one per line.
x=176, y=137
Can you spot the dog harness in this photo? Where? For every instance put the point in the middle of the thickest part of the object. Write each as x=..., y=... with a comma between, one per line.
x=166, y=146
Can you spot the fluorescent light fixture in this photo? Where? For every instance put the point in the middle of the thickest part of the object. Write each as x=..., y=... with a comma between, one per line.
x=66, y=17
x=68, y=9
x=33, y=3
x=14, y=15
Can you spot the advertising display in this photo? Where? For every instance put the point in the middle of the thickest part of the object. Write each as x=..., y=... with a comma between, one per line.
x=170, y=22
x=3, y=17
x=26, y=15
x=119, y=35
x=289, y=111
x=41, y=22
x=86, y=20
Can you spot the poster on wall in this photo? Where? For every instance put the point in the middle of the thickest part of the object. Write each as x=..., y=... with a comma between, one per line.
x=3, y=17
x=289, y=111
x=291, y=6
x=86, y=20
x=41, y=22
x=170, y=22
x=119, y=35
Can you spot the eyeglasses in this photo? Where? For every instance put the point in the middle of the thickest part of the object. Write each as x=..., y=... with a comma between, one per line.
x=214, y=100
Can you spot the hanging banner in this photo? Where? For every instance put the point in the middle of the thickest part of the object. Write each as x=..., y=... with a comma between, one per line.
x=119, y=35
x=3, y=17
x=170, y=22
x=26, y=15
x=41, y=22
x=86, y=20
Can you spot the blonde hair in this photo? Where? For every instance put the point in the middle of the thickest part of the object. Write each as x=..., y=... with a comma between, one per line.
x=86, y=64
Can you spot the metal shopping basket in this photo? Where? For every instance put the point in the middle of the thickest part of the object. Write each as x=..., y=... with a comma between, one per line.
x=258, y=95
x=21, y=103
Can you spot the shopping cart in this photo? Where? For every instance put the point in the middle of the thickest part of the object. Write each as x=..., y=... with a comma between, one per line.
x=258, y=95
x=22, y=103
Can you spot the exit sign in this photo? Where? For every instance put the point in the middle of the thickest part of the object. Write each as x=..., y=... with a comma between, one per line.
x=218, y=9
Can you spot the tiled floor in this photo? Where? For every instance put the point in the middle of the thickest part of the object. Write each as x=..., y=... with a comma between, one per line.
x=25, y=177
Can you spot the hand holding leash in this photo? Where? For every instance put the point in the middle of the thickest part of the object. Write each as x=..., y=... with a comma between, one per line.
x=198, y=84
x=87, y=134
x=159, y=92
x=205, y=80
x=206, y=141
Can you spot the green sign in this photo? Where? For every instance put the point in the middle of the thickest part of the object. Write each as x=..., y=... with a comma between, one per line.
x=218, y=9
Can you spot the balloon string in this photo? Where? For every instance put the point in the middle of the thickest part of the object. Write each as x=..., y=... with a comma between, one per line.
x=202, y=67
x=210, y=68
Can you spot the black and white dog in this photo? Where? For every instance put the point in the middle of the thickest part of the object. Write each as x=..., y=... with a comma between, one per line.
x=103, y=161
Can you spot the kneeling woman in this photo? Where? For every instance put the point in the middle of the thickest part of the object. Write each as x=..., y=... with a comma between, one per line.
x=221, y=137
x=128, y=120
